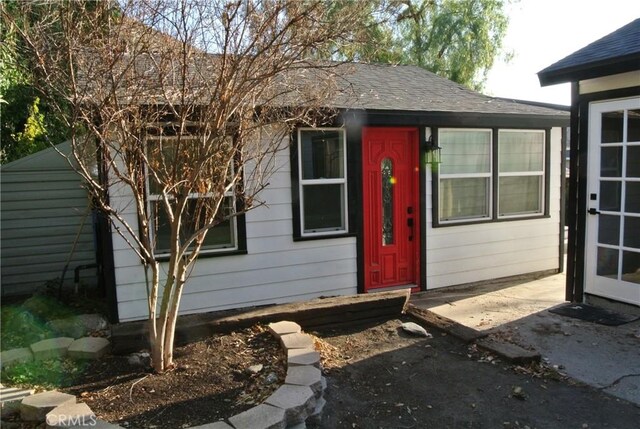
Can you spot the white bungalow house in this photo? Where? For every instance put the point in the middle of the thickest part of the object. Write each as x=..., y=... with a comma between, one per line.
x=354, y=208
x=603, y=265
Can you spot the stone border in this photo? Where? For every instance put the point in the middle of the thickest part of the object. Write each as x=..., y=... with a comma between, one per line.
x=82, y=348
x=300, y=400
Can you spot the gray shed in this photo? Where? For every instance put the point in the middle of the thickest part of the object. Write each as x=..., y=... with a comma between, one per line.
x=44, y=210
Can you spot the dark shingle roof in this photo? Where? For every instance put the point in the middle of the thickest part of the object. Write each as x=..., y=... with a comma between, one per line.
x=617, y=52
x=411, y=88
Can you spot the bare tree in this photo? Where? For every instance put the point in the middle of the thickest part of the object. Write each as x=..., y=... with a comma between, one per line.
x=184, y=105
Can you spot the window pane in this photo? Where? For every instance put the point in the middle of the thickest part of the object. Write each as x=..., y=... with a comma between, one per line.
x=612, y=123
x=632, y=198
x=323, y=208
x=520, y=195
x=633, y=161
x=322, y=154
x=631, y=267
x=609, y=229
x=165, y=155
x=521, y=151
x=607, y=262
x=464, y=198
x=387, y=201
x=221, y=236
x=611, y=161
x=610, y=193
x=633, y=126
x=632, y=231
x=465, y=151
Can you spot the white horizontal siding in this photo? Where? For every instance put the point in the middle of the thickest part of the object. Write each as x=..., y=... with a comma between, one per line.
x=275, y=269
x=470, y=253
x=43, y=206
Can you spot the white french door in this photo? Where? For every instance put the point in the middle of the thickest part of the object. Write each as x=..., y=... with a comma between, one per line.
x=612, y=263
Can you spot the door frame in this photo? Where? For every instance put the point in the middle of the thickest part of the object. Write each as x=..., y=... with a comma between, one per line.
x=594, y=284
x=418, y=198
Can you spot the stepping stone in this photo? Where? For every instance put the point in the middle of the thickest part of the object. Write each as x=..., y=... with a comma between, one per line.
x=261, y=417
x=323, y=380
x=34, y=408
x=306, y=356
x=10, y=398
x=51, y=348
x=279, y=329
x=510, y=352
x=88, y=348
x=11, y=357
x=296, y=341
x=297, y=401
x=307, y=375
x=70, y=415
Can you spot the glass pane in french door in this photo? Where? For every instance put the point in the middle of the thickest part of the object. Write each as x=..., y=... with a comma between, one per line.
x=618, y=231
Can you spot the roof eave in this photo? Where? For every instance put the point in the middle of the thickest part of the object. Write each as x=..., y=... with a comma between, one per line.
x=608, y=67
x=462, y=119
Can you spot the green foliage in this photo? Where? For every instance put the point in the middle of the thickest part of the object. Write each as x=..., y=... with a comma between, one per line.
x=27, y=122
x=48, y=374
x=456, y=39
x=26, y=323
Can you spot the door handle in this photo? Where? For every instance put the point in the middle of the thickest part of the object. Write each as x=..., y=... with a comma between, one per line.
x=593, y=212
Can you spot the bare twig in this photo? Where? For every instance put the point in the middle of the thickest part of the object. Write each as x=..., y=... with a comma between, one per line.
x=133, y=385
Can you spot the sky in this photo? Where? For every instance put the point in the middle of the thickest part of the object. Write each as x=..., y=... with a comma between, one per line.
x=542, y=32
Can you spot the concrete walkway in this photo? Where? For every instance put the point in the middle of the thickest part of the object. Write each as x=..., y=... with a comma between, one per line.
x=605, y=357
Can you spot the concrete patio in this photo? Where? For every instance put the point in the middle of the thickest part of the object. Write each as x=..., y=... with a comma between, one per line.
x=606, y=357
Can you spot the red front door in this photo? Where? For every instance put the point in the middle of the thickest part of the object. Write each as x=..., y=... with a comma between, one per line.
x=391, y=207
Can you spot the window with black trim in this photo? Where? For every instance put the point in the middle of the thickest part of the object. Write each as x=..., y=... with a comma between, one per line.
x=322, y=181
x=471, y=188
x=521, y=161
x=465, y=174
x=163, y=145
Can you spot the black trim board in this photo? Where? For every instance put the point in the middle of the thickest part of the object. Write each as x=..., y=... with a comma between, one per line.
x=563, y=197
x=451, y=119
x=603, y=68
x=422, y=190
x=104, y=240
x=578, y=179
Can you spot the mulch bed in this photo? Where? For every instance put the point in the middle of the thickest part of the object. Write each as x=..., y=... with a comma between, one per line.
x=210, y=382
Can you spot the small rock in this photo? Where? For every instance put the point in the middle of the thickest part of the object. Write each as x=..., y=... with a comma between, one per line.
x=139, y=359
x=254, y=369
x=518, y=393
x=415, y=329
x=271, y=378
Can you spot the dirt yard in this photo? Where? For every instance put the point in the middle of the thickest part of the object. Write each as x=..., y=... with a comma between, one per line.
x=211, y=381
x=380, y=377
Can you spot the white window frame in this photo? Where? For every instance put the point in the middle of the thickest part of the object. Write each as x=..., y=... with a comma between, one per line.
x=157, y=199
x=328, y=181
x=541, y=174
x=488, y=175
